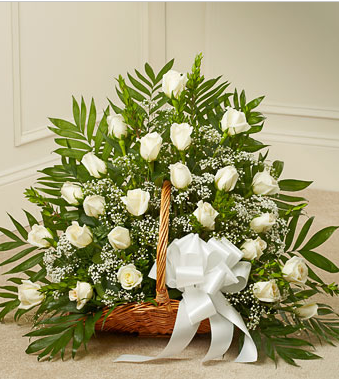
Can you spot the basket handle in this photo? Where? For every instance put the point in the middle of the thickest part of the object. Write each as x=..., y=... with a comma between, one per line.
x=161, y=290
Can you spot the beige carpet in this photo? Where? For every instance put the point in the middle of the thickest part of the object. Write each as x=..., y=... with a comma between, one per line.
x=98, y=362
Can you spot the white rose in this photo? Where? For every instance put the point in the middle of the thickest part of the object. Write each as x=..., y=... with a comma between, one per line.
x=150, y=146
x=234, y=122
x=173, y=82
x=263, y=223
x=307, y=311
x=264, y=184
x=181, y=135
x=79, y=236
x=295, y=270
x=226, y=178
x=206, y=215
x=119, y=238
x=29, y=294
x=266, y=291
x=253, y=249
x=94, y=165
x=117, y=126
x=37, y=235
x=180, y=175
x=129, y=277
x=82, y=293
x=136, y=201
x=72, y=193
x=94, y=205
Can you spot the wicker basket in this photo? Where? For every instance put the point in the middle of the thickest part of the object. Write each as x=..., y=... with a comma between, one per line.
x=146, y=319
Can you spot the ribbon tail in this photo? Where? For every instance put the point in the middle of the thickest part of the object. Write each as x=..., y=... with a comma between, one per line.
x=249, y=351
x=183, y=333
x=221, y=337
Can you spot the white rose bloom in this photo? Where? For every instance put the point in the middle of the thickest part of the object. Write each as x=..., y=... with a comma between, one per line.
x=129, y=277
x=226, y=178
x=94, y=165
x=119, y=238
x=307, y=311
x=206, y=215
x=181, y=135
x=82, y=293
x=136, y=201
x=264, y=184
x=117, y=126
x=266, y=291
x=234, y=122
x=72, y=193
x=173, y=82
x=263, y=223
x=180, y=175
x=253, y=249
x=29, y=294
x=79, y=236
x=150, y=146
x=295, y=270
x=37, y=235
x=94, y=205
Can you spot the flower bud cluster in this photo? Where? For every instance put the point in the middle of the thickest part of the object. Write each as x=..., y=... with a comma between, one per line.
x=255, y=309
x=61, y=261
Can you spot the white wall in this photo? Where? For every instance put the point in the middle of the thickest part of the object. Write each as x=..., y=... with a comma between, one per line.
x=287, y=51
x=49, y=52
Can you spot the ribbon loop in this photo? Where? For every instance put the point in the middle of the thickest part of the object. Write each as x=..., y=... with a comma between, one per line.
x=189, y=276
x=198, y=304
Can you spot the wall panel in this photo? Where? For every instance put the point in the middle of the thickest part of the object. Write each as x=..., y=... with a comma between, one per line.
x=52, y=51
x=286, y=51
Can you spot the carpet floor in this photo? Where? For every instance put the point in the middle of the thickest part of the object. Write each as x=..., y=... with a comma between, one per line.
x=98, y=362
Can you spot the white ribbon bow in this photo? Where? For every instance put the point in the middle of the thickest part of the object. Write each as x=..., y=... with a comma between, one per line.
x=202, y=271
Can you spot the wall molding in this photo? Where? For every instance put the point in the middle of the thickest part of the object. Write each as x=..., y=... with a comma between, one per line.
x=325, y=139
x=144, y=33
x=299, y=138
x=207, y=40
x=21, y=136
x=300, y=111
x=27, y=170
x=16, y=72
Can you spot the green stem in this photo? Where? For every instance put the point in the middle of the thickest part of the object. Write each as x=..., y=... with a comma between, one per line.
x=151, y=166
x=221, y=142
x=193, y=109
x=99, y=247
x=248, y=194
x=122, y=146
x=181, y=210
x=183, y=158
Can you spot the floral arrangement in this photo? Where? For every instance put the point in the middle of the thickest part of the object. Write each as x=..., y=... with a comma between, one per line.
x=100, y=209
